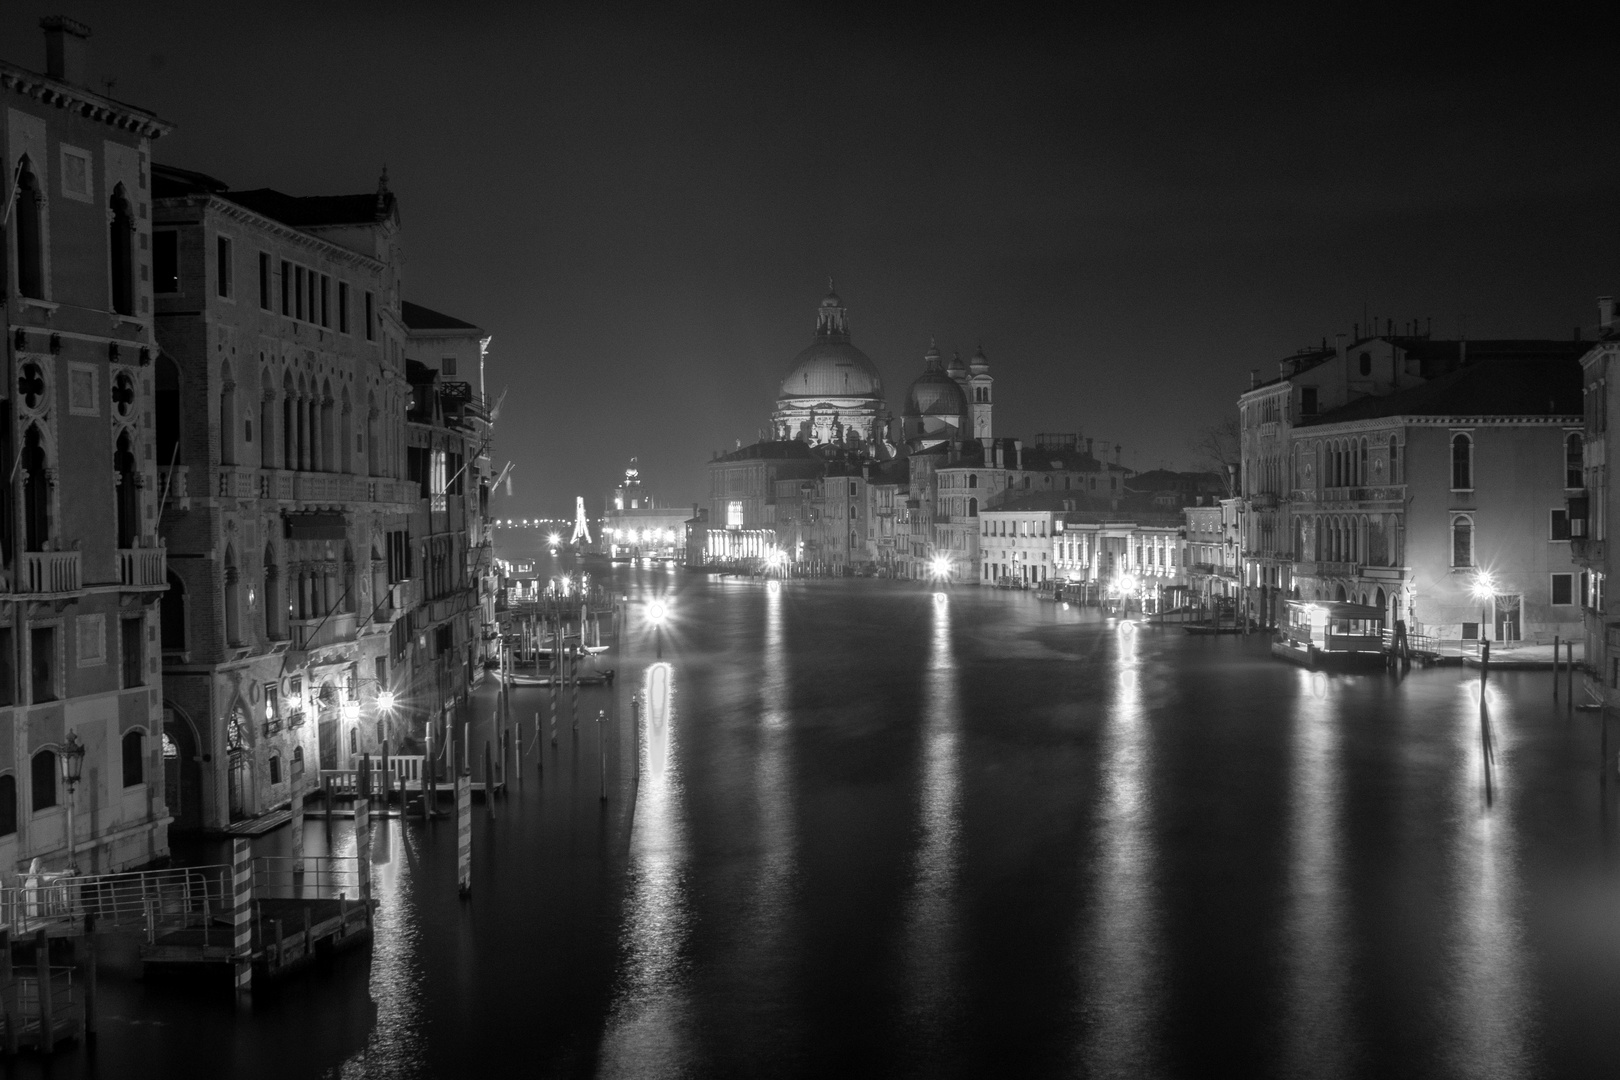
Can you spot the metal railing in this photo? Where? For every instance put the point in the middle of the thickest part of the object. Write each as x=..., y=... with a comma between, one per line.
x=312, y=877
x=140, y=899
x=405, y=774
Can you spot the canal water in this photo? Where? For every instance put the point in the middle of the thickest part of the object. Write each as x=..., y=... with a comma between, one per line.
x=879, y=830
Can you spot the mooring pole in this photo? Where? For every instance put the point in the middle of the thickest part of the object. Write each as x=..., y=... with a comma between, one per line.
x=489, y=780
x=298, y=815
x=1484, y=719
x=242, y=912
x=91, y=1003
x=362, y=837
x=463, y=824
x=1569, y=668
x=1555, y=666
x=601, y=749
x=515, y=734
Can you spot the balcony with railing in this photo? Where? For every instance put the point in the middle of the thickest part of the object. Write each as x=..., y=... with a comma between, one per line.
x=49, y=572
x=143, y=567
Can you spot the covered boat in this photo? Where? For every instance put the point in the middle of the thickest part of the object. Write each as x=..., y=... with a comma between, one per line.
x=1331, y=633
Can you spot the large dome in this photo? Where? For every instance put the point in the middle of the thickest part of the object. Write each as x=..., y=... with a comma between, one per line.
x=935, y=394
x=832, y=369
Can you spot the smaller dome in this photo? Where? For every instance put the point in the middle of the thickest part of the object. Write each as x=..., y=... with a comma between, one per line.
x=956, y=369
x=980, y=363
x=936, y=394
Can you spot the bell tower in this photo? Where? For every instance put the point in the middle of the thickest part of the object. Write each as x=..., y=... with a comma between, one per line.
x=979, y=396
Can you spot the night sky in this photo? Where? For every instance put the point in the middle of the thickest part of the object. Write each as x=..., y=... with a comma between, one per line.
x=1129, y=215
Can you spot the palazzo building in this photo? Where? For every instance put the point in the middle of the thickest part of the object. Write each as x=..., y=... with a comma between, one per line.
x=81, y=562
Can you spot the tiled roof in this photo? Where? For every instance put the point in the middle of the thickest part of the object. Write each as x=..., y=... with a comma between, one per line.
x=1505, y=384
x=417, y=317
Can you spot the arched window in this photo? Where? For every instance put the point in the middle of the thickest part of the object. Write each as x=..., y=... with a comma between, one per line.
x=973, y=507
x=42, y=779
x=134, y=758
x=173, y=614
x=233, y=620
x=121, y=236
x=267, y=416
x=227, y=416
x=36, y=491
x=346, y=440
x=1361, y=468
x=1394, y=461
x=1462, y=541
x=1574, y=461
x=372, y=458
x=30, y=211
x=1462, y=462
x=129, y=495
x=973, y=480
x=275, y=609
x=350, y=584
x=289, y=425
x=328, y=418
x=275, y=769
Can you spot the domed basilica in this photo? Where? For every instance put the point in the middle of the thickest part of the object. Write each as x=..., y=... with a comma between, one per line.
x=833, y=396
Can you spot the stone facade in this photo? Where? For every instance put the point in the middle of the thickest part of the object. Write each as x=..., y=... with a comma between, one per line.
x=81, y=563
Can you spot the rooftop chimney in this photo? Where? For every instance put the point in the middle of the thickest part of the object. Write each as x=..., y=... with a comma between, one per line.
x=1605, y=312
x=65, y=48
x=1254, y=378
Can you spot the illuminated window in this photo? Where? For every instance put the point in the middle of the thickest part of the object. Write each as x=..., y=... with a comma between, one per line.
x=734, y=514
x=1462, y=463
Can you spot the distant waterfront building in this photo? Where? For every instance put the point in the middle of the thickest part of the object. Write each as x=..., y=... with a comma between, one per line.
x=280, y=394
x=1420, y=476
x=451, y=629
x=81, y=562
x=832, y=394
x=1588, y=503
x=635, y=526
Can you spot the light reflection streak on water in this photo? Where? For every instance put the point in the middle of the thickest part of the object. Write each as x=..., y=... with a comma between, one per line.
x=647, y=1027
x=396, y=1046
x=1489, y=1010
x=1316, y=949
x=1120, y=961
x=931, y=916
x=773, y=784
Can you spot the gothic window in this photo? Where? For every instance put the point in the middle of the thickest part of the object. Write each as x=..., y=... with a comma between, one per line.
x=1394, y=461
x=30, y=211
x=129, y=498
x=289, y=425
x=36, y=491
x=121, y=235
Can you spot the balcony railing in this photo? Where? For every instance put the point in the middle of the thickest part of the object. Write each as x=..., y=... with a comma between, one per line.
x=49, y=572
x=143, y=567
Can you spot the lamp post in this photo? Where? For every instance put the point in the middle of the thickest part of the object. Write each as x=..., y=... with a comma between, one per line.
x=1484, y=588
x=657, y=612
x=72, y=770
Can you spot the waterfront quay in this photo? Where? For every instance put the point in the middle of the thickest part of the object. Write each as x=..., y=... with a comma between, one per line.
x=1005, y=839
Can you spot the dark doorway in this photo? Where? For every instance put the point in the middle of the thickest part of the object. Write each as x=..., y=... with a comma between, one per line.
x=329, y=739
x=182, y=773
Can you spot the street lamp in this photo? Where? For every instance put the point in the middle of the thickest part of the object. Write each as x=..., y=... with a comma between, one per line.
x=1484, y=590
x=72, y=770
x=657, y=612
x=940, y=567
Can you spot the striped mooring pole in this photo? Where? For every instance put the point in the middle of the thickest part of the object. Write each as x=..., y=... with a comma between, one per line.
x=242, y=911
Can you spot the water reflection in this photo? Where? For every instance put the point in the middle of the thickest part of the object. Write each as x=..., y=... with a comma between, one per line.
x=647, y=1027
x=1489, y=1010
x=1121, y=961
x=1316, y=950
x=397, y=1046
x=773, y=784
x=931, y=914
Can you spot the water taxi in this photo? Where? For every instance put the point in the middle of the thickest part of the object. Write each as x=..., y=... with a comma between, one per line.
x=1331, y=634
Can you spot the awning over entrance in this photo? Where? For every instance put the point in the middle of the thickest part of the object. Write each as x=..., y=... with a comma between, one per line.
x=316, y=527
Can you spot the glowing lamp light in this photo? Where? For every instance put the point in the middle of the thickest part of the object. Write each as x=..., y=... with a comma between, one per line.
x=1484, y=587
x=269, y=710
x=351, y=710
x=940, y=598
x=940, y=566
x=385, y=701
x=657, y=611
x=554, y=539
x=1127, y=585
